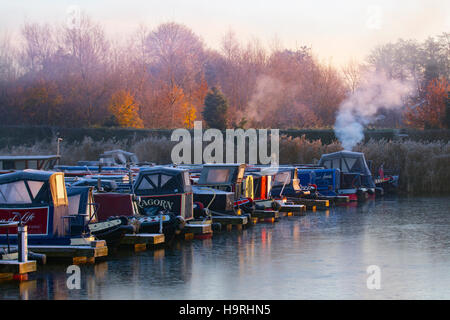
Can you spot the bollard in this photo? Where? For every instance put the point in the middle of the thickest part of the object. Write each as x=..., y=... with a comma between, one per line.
x=22, y=239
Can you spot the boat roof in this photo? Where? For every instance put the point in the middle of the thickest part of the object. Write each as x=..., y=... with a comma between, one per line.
x=112, y=152
x=29, y=174
x=162, y=169
x=48, y=157
x=343, y=154
x=359, y=163
x=233, y=165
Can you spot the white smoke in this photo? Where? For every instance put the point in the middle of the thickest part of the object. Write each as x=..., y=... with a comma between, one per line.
x=360, y=108
x=265, y=98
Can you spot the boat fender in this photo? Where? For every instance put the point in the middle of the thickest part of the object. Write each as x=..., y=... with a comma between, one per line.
x=38, y=257
x=124, y=220
x=275, y=205
x=379, y=191
x=199, y=210
x=249, y=219
x=216, y=226
x=181, y=222
x=129, y=229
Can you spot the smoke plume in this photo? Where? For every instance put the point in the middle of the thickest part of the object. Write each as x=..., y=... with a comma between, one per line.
x=361, y=107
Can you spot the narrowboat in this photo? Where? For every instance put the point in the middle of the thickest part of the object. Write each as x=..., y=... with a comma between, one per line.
x=160, y=200
x=40, y=199
x=114, y=162
x=356, y=180
x=81, y=202
x=325, y=181
x=285, y=183
x=387, y=181
x=13, y=163
x=220, y=189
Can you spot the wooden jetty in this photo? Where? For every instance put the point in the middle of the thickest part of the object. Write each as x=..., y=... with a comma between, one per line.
x=198, y=229
x=228, y=221
x=13, y=269
x=311, y=204
x=142, y=241
x=77, y=253
x=266, y=215
x=16, y=265
x=335, y=199
x=292, y=210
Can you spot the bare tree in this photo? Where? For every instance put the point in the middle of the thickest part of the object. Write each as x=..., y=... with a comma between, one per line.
x=39, y=45
x=88, y=48
x=8, y=62
x=352, y=74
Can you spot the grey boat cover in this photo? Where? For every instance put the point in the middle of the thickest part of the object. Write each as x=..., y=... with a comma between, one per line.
x=346, y=161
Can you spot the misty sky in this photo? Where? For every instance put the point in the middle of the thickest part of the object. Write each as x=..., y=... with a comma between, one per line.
x=336, y=30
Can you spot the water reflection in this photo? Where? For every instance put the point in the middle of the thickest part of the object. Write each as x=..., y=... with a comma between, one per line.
x=322, y=255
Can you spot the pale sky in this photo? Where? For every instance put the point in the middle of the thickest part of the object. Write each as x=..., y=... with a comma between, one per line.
x=336, y=30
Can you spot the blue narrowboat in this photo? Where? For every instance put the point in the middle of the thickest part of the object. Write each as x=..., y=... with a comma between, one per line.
x=355, y=179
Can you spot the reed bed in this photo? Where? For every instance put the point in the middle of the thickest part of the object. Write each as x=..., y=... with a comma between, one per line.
x=424, y=167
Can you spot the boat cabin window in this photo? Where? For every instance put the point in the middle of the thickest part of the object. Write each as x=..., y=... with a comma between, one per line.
x=217, y=175
x=35, y=187
x=160, y=182
x=14, y=192
x=169, y=183
x=74, y=204
x=336, y=163
x=120, y=157
x=7, y=165
x=32, y=164
x=164, y=179
x=107, y=161
x=282, y=178
x=354, y=165
x=145, y=185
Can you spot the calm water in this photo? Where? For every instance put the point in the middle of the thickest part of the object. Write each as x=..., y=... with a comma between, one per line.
x=323, y=255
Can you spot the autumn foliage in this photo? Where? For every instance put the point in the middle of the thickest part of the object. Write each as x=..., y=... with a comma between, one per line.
x=432, y=111
x=124, y=110
x=76, y=76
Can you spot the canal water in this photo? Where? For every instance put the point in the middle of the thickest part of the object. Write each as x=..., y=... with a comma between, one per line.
x=323, y=255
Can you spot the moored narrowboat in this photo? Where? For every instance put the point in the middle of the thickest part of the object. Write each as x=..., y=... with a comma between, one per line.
x=220, y=189
x=39, y=199
x=356, y=180
x=159, y=201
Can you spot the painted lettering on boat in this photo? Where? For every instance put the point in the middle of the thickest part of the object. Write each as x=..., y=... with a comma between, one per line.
x=26, y=217
x=37, y=219
x=156, y=202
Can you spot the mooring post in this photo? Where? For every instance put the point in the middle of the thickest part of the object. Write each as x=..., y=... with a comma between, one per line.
x=22, y=238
